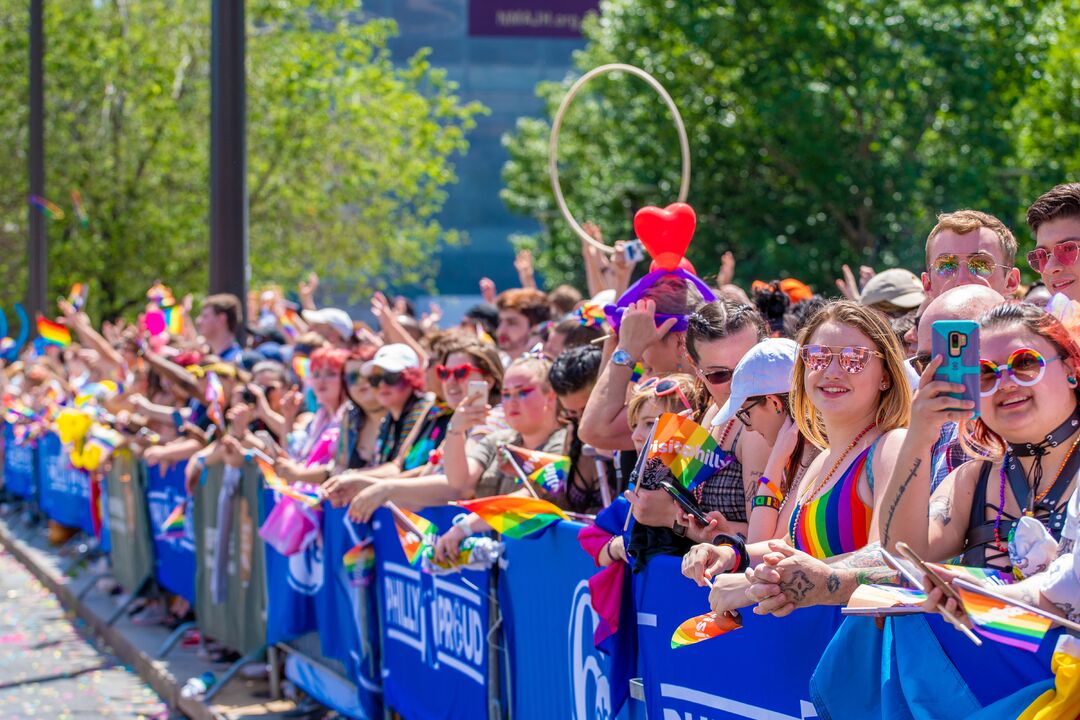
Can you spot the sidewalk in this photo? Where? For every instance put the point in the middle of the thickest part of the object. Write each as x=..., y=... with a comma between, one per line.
x=137, y=646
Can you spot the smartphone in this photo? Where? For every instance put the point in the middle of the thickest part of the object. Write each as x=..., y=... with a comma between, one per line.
x=957, y=342
x=687, y=503
x=634, y=251
x=178, y=422
x=477, y=389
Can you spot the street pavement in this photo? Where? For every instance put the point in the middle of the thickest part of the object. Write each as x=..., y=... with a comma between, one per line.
x=50, y=668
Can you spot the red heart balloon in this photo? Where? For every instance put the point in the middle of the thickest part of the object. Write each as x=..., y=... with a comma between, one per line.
x=684, y=264
x=666, y=232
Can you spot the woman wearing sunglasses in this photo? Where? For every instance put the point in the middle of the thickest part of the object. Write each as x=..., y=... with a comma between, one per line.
x=850, y=397
x=1029, y=427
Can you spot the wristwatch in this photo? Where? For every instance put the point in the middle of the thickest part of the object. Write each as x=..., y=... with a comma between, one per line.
x=621, y=357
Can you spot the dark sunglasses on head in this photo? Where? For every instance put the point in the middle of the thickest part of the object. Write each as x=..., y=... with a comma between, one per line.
x=853, y=359
x=717, y=377
x=743, y=413
x=1065, y=253
x=390, y=378
x=460, y=372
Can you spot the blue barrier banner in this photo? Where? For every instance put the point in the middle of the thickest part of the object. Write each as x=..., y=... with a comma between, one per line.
x=548, y=623
x=174, y=555
x=434, y=631
x=105, y=541
x=65, y=491
x=19, y=465
x=702, y=681
x=292, y=583
x=347, y=616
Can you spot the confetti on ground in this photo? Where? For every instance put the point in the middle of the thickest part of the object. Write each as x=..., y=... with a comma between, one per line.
x=49, y=670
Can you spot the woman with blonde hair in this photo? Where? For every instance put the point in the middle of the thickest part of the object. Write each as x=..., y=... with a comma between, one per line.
x=850, y=397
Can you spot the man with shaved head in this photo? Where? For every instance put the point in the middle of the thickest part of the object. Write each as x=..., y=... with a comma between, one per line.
x=931, y=449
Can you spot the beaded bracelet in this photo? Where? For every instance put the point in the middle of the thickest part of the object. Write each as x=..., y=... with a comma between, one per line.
x=772, y=487
x=767, y=501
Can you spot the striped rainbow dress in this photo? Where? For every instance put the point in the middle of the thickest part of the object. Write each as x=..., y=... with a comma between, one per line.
x=837, y=521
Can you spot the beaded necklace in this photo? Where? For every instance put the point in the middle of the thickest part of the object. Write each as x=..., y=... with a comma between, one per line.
x=800, y=506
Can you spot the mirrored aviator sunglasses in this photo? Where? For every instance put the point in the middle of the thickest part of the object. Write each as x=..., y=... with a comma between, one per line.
x=1025, y=366
x=980, y=265
x=1065, y=253
x=853, y=358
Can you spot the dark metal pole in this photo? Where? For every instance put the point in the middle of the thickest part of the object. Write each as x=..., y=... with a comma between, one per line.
x=36, y=250
x=228, y=152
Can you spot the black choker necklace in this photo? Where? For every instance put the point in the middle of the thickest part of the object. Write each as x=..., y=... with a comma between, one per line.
x=1060, y=434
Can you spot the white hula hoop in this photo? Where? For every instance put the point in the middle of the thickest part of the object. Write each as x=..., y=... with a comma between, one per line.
x=556, y=125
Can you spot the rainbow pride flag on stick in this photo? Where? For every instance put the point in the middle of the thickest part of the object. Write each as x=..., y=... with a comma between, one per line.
x=417, y=534
x=174, y=523
x=359, y=562
x=1004, y=619
x=77, y=296
x=513, y=515
x=704, y=627
x=546, y=470
x=687, y=449
x=310, y=498
x=53, y=333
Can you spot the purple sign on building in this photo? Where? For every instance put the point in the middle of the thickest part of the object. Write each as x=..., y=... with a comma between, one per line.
x=535, y=18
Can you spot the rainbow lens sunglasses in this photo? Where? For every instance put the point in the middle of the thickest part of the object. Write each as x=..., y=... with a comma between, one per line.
x=1025, y=366
x=852, y=359
x=979, y=265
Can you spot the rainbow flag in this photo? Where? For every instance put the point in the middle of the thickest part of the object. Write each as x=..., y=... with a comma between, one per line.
x=301, y=366
x=513, y=515
x=1001, y=621
x=547, y=470
x=174, y=523
x=54, y=333
x=416, y=547
x=359, y=562
x=687, y=450
x=289, y=322
x=299, y=493
x=77, y=296
x=174, y=319
x=591, y=315
x=703, y=627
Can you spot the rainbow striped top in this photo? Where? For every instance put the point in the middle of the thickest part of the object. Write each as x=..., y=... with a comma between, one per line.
x=837, y=521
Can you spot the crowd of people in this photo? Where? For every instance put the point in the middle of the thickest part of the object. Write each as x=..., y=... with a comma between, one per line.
x=838, y=441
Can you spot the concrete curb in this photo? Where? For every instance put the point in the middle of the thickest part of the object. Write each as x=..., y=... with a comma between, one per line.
x=154, y=672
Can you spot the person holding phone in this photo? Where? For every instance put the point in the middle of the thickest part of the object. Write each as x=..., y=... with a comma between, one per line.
x=1029, y=428
x=850, y=397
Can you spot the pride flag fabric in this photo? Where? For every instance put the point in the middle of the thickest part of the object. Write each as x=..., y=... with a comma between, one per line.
x=174, y=523
x=703, y=627
x=310, y=498
x=413, y=545
x=1001, y=621
x=359, y=562
x=546, y=470
x=53, y=333
x=687, y=450
x=513, y=515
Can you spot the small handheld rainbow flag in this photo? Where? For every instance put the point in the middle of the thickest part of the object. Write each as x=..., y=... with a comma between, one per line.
x=53, y=332
x=704, y=627
x=687, y=449
x=290, y=322
x=77, y=296
x=415, y=546
x=50, y=209
x=359, y=562
x=310, y=498
x=80, y=211
x=301, y=366
x=1001, y=619
x=513, y=515
x=174, y=319
x=174, y=523
x=591, y=315
x=546, y=470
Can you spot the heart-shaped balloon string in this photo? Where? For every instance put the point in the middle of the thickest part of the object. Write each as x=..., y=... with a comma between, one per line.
x=666, y=232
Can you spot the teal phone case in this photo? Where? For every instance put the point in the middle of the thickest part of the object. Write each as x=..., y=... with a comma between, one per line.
x=957, y=342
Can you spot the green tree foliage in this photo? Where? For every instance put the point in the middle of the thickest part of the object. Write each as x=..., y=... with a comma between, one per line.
x=821, y=132
x=349, y=156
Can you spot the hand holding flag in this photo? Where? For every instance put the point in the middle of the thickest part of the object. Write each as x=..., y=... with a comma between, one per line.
x=687, y=449
x=546, y=470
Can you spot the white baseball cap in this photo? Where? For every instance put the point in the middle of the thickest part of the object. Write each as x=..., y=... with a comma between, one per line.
x=334, y=317
x=392, y=358
x=765, y=370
